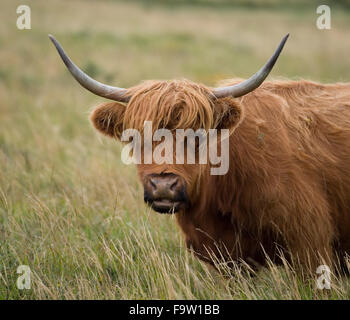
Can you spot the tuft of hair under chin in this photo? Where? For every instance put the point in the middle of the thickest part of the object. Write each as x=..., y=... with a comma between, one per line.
x=176, y=104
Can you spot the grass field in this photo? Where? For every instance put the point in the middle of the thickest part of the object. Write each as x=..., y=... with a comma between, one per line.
x=69, y=208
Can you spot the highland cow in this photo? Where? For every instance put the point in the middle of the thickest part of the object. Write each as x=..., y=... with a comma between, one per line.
x=287, y=189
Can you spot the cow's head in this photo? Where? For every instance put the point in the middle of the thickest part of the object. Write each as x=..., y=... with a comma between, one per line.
x=178, y=104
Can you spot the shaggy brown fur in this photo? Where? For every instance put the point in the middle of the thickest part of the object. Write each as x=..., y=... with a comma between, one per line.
x=288, y=185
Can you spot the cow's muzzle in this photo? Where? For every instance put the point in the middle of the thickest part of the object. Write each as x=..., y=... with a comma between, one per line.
x=165, y=193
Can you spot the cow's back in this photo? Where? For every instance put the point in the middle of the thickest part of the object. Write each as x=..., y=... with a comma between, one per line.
x=288, y=184
x=301, y=135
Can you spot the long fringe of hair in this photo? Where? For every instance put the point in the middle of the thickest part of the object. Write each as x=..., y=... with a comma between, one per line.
x=176, y=104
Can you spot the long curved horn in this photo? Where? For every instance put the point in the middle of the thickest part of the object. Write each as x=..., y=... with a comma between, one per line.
x=254, y=81
x=103, y=90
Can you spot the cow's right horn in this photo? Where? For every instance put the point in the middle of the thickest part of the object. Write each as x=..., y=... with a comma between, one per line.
x=103, y=90
x=242, y=88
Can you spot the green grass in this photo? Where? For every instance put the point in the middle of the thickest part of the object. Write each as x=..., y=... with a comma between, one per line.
x=69, y=208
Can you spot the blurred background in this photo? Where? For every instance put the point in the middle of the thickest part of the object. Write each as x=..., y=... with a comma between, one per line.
x=68, y=207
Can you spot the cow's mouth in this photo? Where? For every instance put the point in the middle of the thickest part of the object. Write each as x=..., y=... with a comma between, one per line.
x=166, y=206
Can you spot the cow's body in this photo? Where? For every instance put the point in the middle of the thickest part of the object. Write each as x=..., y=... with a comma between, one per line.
x=288, y=182
x=288, y=185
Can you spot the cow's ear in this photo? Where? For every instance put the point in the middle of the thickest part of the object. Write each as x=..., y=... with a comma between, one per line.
x=228, y=113
x=108, y=119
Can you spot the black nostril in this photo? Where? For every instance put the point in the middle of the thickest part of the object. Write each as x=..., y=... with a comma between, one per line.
x=153, y=184
x=174, y=184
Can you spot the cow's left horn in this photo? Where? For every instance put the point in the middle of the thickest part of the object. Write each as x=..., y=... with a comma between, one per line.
x=254, y=81
x=103, y=90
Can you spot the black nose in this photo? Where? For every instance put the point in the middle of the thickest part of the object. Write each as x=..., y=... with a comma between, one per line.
x=165, y=192
x=164, y=186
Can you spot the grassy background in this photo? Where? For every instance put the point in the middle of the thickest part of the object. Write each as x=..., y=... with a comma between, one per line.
x=68, y=207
